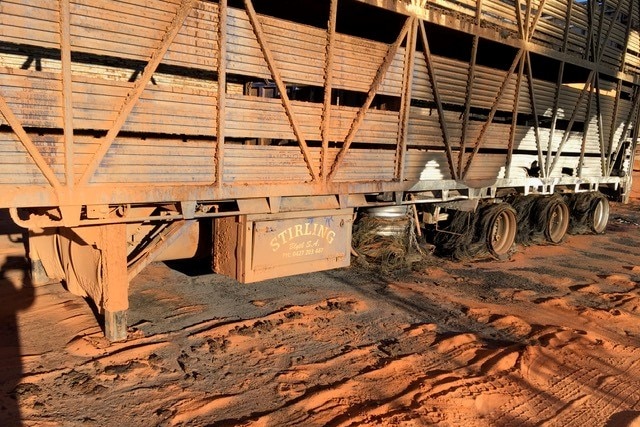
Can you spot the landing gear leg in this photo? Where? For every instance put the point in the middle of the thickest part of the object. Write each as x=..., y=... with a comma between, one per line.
x=94, y=263
x=115, y=282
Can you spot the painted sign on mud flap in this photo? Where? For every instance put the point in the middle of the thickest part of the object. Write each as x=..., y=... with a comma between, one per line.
x=292, y=241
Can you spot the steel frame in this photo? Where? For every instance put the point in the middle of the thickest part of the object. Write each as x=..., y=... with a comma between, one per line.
x=81, y=191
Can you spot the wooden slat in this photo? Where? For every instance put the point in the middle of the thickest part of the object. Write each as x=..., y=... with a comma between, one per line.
x=150, y=160
x=246, y=163
x=252, y=117
x=18, y=168
x=299, y=52
x=115, y=32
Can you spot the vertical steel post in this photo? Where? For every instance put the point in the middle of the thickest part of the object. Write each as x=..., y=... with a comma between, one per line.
x=373, y=91
x=514, y=119
x=554, y=118
x=67, y=91
x=328, y=88
x=282, y=88
x=436, y=97
x=115, y=280
x=534, y=110
x=222, y=91
x=585, y=133
x=469, y=92
x=405, y=108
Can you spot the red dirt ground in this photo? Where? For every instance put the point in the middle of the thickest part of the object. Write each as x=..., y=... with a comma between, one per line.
x=550, y=337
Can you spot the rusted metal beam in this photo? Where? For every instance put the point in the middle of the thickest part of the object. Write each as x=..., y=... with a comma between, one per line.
x=534, y=110
x=282, y=88
x=222, y=91
x=140, y=85
x=493, y=111
x=328, y=88
x=28, y=144
x=373, y=90
x=67, y=91
x=405, y=107
x=436, y=97
x=514, y=119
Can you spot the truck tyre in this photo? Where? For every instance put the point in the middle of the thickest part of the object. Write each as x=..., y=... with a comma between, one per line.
x=589, y=213
x=499, y=226
x=556, y=221
x=599, y=214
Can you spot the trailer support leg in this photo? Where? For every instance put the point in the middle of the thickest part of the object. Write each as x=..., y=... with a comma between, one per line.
x=115, y=280
x=94, y=260
x=42, y=249
x=115, y=325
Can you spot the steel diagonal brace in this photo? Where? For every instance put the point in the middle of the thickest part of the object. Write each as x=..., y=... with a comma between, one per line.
x=514, y=118
x=375, y=86
x=162, y=241
x=328, y=88
x=534, y=109
x=28, y=144
x=67, y=90
x=493, y=111
x=282, y=88
x=536, y=19
x=572, y=120
x=140, y=85
x=633, y=113
x=405, y=108
x=612, y=23
x=521, y=24
x=436, y=97
x=222, y=91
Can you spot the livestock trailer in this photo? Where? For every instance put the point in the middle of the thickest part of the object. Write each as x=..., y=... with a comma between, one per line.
x=141, y=130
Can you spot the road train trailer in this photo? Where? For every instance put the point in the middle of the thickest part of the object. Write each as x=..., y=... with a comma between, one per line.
x=142, y=130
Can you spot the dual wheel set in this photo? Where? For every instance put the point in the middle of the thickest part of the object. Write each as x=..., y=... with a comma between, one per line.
x=496, y=227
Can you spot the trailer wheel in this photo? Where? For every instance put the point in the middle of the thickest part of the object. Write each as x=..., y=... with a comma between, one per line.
x=500, y=228
x=557, y=221
x=599, y=214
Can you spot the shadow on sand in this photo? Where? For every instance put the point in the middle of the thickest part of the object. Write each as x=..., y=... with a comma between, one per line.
x=16, y=294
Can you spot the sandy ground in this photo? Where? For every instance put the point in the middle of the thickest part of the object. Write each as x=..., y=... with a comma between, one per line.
x=550, y=337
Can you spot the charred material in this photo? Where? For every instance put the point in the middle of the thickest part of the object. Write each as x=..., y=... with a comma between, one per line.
x=389, y=241
x=541, y=219
x=589, y=213
x=488, y=232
